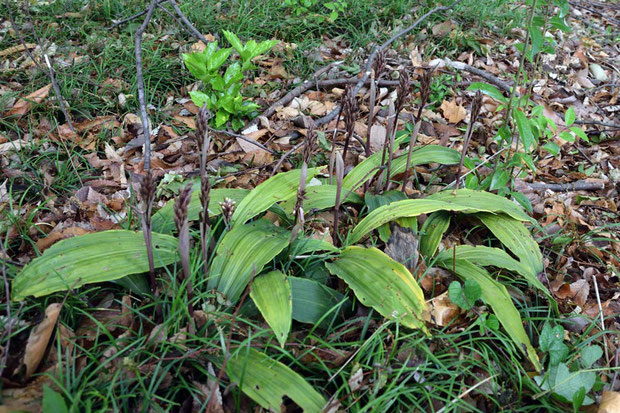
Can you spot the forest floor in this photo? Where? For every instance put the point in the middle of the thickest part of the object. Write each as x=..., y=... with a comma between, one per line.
x=108, y=347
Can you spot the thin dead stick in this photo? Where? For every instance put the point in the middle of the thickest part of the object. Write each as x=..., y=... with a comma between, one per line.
x=190, y=27
x=600, y=310
x=489, y=159
x=246, y=139
x=466, y=392
x=574, y=186
x=286, y=155
x=594, y=122
x=228, y=340
x=50, y=74
x=501, y=84
x=368, y=69
x=9, y=320
x=117, y=23
x=475, y=110
x=146, y=128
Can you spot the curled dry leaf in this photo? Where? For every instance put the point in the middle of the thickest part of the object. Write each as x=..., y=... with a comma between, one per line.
x=39, y=338
x=356, y=380
x=441, y=311
x=610, y=403
x=452, y=111
x=23, y=105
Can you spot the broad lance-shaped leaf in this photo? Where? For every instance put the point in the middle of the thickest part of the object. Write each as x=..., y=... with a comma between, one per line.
x=516, y=238
x=494, y=257
x=381, y=283
x=267, y=381
x=312, y=301
x=481, y=201
x=423, y=155
x=278, y=188
x=464, y=200
x=271, y=293
x=163, y=220
x=399, y=209
x=496, y=296
x=320, y=197
x=243, y=249
x=91, y=258
x=432, y=232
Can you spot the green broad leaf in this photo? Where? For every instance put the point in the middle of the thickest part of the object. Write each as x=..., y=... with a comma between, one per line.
x=375, y=201
x=264, y=46
x=552, y=147
x=244, y=249
x=480, y=201
x=567, y=136
x=381, y=283
x=569, y=116
x=196, y=63
x=233, y=40
x=136, y=283
x=516, y=238
x=278, y=188
x=267, y=381
x=567, y=384
x=396, y=210
x=217, y=59
x=432, y=232
x=303, y=246
x=525, y=129
x=199, y=98
x=495, y=295
x=271, y=293
x=488, y=90
x=221, y=117
x=312, y=300
x=494, y=257
x=500, y=179
x=53, y=402
x=580, y=132
x=590, y=355
x=233, y=74
x=465, y=296
x=523, y=200
x=91, y=258
x=163, y=220
x=537, y=40
x=424, y=155
x=319, y=197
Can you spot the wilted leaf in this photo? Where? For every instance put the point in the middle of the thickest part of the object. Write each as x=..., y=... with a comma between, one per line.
x=39, y=339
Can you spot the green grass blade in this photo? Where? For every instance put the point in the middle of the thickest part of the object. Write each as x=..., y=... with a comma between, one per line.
x=242, y=249
x=516, y=238
x=163, y=220
x=496, y=296
x=271, y=293
x=91, y=258
x=381, y=283
x=267, y=381
x=275, y=189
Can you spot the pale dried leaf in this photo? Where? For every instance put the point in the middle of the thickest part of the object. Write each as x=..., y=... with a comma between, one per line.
x=23, y=105
x=39, y=339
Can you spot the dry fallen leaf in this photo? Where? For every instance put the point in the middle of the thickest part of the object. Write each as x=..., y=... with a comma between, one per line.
x=377, y=137
x=52, y=238
x=356, y=380
x=441, y=311
x=610, y=403
x=453, y=112
x=23, y=105
x=39, y=338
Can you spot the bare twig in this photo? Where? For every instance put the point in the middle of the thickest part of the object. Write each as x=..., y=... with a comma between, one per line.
x=368, y=69
x=190, y=27
x=245, y=138
x=501, y=84
x=181, y=205
x=286, y=155
x=146, y=128
x=117, y=23
x=339, y=169
x=574, y=186
x=466, y=392
x=476, y=105
x=9, y=321
x=595, y=122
